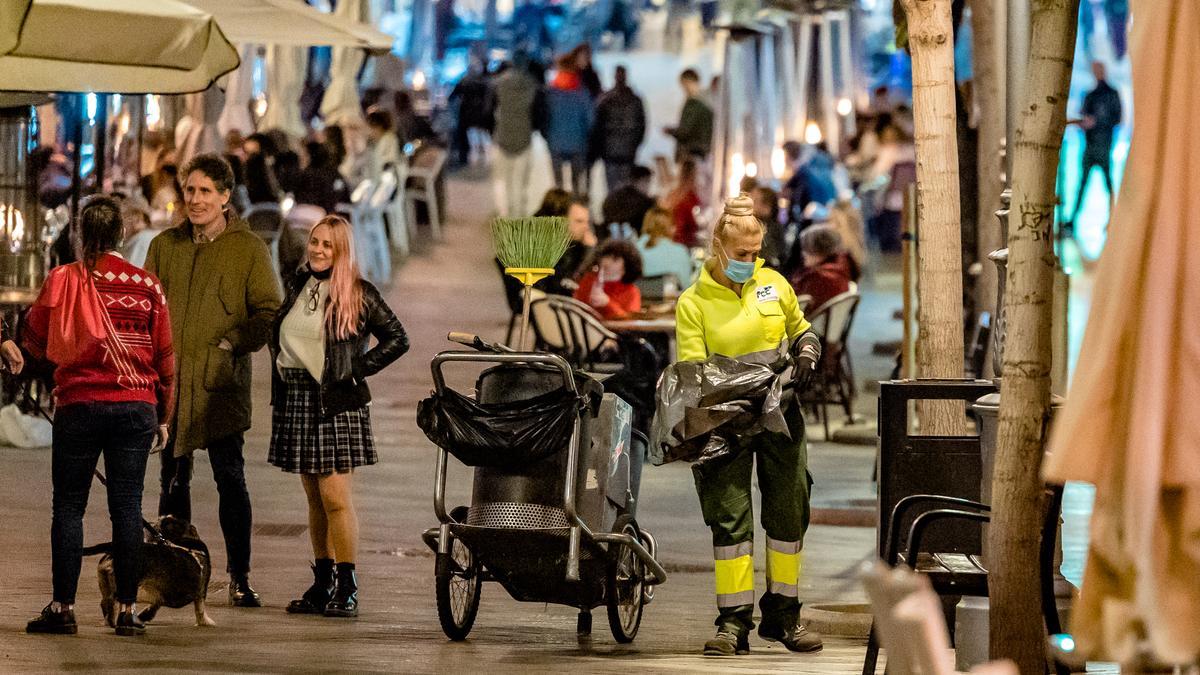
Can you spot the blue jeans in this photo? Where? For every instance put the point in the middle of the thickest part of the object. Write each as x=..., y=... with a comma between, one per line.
x=123, y=433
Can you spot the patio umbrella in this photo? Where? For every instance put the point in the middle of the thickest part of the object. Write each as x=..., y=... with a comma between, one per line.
x=238, y=90
x=340, y=104
x=285, y=78
x=86, y=46
x=1129, y=424
x=293, y=22
x=202, y=110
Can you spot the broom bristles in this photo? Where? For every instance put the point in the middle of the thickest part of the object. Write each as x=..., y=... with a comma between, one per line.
x=530, y=242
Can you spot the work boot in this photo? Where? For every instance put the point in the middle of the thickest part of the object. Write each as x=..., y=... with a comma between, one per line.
x=726, y=643
x=60, y=622
x=345, y=597
x=240, y=593
x=318, y=595
x=796, y=638
x=128, y=624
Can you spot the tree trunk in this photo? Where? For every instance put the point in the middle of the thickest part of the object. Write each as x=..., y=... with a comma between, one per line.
x=987, y=22
x=1017, y=631
x=939, y=235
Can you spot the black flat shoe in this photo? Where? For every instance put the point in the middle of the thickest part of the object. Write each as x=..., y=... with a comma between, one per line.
x=241, y=595
x=129, y=625
x=53, y=623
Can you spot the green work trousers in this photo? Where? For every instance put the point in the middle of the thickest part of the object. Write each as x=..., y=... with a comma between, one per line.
x=725, y=500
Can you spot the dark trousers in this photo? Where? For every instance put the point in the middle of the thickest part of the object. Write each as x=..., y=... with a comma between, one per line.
x=229, y=471
x=1091, y=161
x=579, y=172
x=123, y=433
x=616, y=174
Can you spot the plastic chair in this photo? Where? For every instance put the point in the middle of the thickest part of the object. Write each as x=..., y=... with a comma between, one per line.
x=370, y=236
x=423, y=171
x=835, y=374
x=399, y=226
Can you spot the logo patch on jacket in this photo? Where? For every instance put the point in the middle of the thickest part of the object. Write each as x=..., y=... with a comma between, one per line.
x=766, y=293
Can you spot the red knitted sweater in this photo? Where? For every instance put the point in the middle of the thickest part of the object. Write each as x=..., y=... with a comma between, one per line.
x=137, y=308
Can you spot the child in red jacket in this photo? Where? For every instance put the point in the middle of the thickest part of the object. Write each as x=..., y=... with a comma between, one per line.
x=609, y=286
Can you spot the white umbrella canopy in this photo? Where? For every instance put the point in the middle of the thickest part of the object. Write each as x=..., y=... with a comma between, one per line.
x=114, y=46
x=291, y=22
x=285, y=80
x=341, y=104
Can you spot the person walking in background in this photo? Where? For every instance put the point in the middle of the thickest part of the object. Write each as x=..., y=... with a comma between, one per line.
x=609, y=286
x=625, y=208
x=321, y=425
x=218, y=279
x=693, y=134
x=568, y=126
x=619, y=131
x=1101, y=112
x=105, y=327
x=517, y=94
x=661, y=254
x=473, y=95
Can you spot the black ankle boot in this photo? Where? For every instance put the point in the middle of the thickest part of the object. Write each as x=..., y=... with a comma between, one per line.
x=318, y=595
x=345, y=596
x=240, y=593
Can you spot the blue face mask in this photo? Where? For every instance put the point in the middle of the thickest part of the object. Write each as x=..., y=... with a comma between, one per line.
x=739, y=272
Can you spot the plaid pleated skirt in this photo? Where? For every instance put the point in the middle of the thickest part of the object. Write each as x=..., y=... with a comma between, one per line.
x=302, y=442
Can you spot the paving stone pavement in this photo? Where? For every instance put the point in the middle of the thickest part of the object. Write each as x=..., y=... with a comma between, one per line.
x=451, y=285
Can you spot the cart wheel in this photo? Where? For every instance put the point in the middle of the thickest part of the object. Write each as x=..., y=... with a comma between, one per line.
x=626, y=577
x=458, y=582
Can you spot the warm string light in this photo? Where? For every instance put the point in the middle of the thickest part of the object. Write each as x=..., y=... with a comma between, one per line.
x=14, y=226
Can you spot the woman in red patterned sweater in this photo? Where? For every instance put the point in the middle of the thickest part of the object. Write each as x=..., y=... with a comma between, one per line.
x=103, y=324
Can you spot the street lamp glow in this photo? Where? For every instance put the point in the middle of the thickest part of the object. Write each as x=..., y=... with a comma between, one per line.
x=778, y=163
x=812, y=133
x=751, y=170
x=737, y=169
x=153, y=112
x=260, y=106
x=418, y=81
x=844, y=107
x=92, y=102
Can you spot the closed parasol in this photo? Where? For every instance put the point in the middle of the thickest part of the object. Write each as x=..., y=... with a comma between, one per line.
x=90, y=45
x=1130, y=425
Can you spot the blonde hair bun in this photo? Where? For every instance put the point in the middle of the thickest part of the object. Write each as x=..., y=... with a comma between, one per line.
x=739, y=206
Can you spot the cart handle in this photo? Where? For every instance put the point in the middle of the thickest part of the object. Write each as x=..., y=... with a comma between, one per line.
x=544, y=358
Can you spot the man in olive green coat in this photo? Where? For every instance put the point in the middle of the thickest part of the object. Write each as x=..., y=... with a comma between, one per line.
x=223, y=296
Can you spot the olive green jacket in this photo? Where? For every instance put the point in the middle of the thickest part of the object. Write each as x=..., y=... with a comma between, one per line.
x=224, y=289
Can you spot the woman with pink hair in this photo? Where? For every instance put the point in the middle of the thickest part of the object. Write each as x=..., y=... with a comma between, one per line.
x=321, y=427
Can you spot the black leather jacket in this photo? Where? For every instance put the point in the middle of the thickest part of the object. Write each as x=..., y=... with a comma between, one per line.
x=347, y=362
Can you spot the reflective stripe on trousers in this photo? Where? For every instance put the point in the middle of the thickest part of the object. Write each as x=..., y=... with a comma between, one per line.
x=784, y=559
x=734, y=566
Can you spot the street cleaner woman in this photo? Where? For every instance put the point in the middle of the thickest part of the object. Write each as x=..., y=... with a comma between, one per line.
x=738, y=307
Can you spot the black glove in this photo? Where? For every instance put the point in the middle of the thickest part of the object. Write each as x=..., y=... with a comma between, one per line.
x=803, y=368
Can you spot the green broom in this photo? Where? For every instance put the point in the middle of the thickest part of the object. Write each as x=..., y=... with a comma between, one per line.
x=529, y=249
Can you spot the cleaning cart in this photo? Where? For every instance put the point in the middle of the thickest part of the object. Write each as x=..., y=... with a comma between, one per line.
x=550, y=518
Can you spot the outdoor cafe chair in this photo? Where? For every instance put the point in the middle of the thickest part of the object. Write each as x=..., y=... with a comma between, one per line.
x=572, y=329
x=395, y=211
x=369, y=236
x=834, y=381
x=951, y=573
x=424, y=167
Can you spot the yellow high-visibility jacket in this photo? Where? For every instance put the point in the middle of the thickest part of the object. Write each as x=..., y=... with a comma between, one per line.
x=712, y=319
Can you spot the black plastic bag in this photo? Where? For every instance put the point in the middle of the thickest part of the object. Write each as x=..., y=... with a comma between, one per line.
x=504, y=435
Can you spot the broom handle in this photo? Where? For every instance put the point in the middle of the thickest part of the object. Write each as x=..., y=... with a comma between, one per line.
x=525, y=317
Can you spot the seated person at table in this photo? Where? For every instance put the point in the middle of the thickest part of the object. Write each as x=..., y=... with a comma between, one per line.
x=571, y=265
x=609, y=286
x=661, y=254
x=826, y=272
